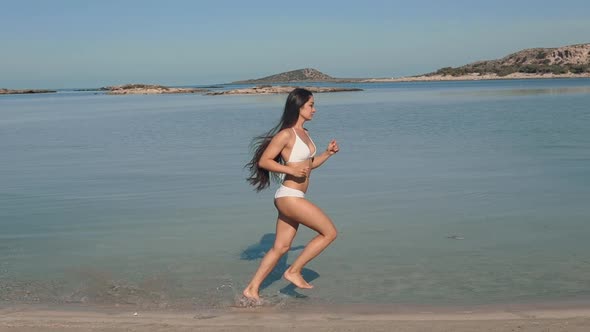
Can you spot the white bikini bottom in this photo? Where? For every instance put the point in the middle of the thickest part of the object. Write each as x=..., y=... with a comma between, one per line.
x=288, y=192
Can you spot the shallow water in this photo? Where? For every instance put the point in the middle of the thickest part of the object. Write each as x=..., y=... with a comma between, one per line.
x=443, y=193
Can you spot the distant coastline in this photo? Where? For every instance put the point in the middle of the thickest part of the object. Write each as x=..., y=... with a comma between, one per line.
x=146, y=89
x=24, y=91
x=429, y=78
x=571, y=61
x=278, y=87
x=269, y=89
x=472, y=77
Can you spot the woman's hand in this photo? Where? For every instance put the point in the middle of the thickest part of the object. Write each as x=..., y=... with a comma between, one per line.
x=300, y=170
x=332, y=147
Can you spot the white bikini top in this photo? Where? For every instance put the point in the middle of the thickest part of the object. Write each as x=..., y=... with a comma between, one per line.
x=301, y=151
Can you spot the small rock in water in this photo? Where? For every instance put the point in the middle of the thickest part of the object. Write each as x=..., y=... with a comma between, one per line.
x=455, y=237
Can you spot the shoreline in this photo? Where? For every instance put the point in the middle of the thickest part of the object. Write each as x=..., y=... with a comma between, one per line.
x=154, y=89
x=278, y=89
x=472, y=77
x=356, y=318
x=148, y=89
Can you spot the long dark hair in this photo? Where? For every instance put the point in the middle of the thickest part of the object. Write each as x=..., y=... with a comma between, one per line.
x=260, y=177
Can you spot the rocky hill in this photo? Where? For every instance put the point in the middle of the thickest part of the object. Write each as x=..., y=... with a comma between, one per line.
x=573, y=59
x=299, y=75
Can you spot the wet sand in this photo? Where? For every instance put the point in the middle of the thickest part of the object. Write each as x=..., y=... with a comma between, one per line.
x=27, y=318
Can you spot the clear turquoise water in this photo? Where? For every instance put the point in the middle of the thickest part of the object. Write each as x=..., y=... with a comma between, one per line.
x=142, y=199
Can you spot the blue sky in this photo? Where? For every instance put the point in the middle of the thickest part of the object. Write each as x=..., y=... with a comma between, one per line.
x=65, y=44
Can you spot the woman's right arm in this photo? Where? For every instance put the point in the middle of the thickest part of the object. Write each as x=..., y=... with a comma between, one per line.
x=276, y=145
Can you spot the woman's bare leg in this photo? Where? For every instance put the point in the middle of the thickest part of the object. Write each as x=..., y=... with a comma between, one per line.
x=285, y=232
x=308, y=214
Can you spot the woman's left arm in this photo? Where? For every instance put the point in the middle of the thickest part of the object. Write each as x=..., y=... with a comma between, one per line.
x=330, y=151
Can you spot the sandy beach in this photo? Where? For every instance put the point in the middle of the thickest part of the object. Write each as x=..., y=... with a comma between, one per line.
x=27, y=318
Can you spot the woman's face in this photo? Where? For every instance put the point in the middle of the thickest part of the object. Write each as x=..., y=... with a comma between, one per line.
x=307, y=110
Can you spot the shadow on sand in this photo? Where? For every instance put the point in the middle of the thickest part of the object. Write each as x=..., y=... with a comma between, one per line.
x=258, y=250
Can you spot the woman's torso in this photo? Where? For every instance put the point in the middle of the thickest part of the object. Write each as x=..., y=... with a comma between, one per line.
x=300, y=151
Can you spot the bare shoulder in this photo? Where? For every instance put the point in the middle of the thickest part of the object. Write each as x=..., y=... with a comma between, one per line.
x=286, y=133
x=283, y=136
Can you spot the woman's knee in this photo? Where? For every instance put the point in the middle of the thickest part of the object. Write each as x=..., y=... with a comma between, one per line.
x=281, y=249
x=331, y=234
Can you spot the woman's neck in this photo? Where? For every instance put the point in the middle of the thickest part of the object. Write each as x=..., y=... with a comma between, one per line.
x=299, y=124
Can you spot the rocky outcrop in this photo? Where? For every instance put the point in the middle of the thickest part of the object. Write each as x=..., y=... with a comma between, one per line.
x=299, y=75
x=25, y=91
x=268, y=89
x=574, y=59
x=145, y=89
x=567, y=55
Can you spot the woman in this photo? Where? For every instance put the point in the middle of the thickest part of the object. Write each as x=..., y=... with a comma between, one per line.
x=288, y=149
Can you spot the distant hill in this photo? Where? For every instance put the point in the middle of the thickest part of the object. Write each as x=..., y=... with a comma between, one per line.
x=299, y=75
x=562, y=60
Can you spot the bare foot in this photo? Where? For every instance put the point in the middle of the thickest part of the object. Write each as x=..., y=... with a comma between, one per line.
x=297, y=280
x=250, y=294
x=249, y=298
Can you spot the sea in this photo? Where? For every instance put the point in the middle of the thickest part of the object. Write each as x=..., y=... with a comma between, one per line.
x=443, y=194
